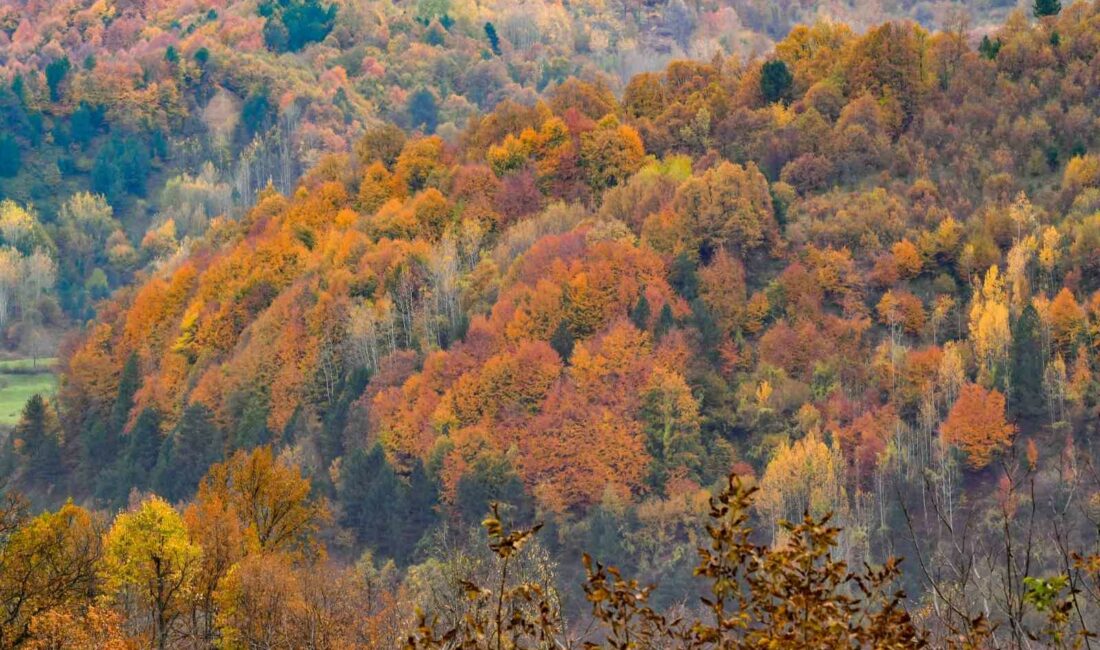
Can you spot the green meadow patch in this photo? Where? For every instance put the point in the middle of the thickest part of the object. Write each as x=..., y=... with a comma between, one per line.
x=19, y=380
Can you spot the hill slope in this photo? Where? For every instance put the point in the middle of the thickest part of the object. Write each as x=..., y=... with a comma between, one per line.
x=861, y=272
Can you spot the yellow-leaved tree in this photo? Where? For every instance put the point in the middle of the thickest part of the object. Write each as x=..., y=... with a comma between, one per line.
x=989, y=326
x=803, y=478
x=46, y=565
x=148, y=567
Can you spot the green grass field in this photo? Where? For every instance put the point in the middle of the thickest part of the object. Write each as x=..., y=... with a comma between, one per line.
x=17, y=388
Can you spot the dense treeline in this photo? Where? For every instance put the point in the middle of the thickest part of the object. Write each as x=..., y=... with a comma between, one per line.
x=860, y=274
x=243, y=566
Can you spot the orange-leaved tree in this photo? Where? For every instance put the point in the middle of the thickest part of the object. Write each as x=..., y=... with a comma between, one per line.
x=976, y=424
x=270, y=497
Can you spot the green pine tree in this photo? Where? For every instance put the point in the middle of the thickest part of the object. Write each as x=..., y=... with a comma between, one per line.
x=604, y=537
x=640, y=314
x=187, y=454
x=1027, y=364
x=776, y=81
x=989, y=47
x=11, y=160
x=56, y=71
x=683, y=277
x=128, y=384
x=488, y=480
x=423, y=110
x=369, y=492
x=562, y=341
x=40, y=450
x=143, y=449
x=419, y=501
x=494, y=39
x=665, y=322
x=1043, y=8
x=252, y=429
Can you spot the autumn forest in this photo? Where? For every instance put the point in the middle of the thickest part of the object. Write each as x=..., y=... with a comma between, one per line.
x=488, y=324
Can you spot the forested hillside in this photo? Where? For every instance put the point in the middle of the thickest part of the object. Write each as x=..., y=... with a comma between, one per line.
x=177, y=112
x=859, y=272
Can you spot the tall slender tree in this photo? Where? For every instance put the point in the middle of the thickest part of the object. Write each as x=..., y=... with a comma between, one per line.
x=1027, y=364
